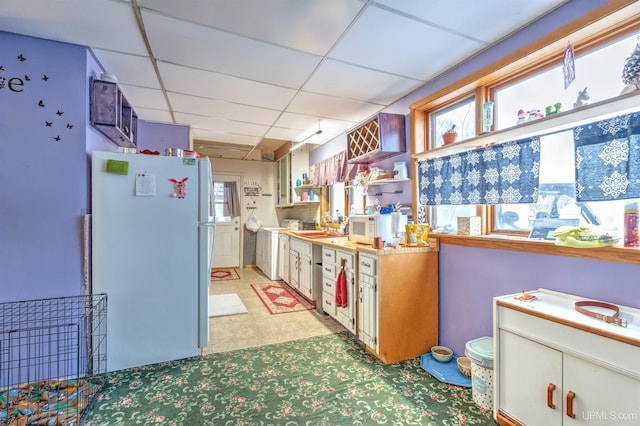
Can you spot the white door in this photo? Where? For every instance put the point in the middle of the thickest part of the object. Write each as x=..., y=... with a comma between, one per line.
x=227, y=244
x=226, y=251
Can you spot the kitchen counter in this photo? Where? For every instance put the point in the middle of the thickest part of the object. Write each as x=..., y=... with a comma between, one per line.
x=343, y=243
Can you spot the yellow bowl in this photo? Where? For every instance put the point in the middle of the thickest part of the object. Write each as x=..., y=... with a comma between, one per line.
x=464, y=365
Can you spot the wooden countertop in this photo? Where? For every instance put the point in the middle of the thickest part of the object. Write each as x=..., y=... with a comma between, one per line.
x=343, y=243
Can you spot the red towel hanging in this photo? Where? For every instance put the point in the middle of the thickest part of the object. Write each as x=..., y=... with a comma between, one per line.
x=341, y=287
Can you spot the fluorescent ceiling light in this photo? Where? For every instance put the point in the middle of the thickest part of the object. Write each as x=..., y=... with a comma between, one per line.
x=304, y=141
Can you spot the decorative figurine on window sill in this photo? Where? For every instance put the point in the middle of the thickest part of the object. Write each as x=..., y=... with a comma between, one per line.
x=534, y=114
x=582, y=99
x=631, y=71
x=553, y=109
x=522, y=117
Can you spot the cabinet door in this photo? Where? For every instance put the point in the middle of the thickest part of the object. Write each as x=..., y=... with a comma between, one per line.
x=368, y=311
x=283, y=258
x=346, y=314
x=284, y=181
x=293, y=269
x=305, y=279
x=526, y=370
x=602, y=396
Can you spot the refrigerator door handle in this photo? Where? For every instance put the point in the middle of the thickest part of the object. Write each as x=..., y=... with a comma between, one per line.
x=207, y=224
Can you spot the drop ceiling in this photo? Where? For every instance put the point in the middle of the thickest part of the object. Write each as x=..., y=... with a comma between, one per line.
x=252, y=75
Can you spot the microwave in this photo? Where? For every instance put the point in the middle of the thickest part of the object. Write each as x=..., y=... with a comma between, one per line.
x=362, y=228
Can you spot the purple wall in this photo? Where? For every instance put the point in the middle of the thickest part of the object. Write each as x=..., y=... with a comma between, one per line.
x=158, y=136
x=470, y=277
x=43, y=171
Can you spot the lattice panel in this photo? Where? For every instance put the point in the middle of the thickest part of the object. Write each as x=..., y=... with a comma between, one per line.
x=365, y=139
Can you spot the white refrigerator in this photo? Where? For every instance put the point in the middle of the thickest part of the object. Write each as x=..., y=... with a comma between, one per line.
x=152, y=248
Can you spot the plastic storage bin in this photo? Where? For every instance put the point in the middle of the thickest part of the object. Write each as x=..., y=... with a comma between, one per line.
x=481, y=353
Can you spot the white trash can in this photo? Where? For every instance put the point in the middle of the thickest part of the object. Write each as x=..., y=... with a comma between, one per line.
x=481, y=353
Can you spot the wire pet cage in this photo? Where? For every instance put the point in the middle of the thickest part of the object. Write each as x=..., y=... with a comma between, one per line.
x=52, y=359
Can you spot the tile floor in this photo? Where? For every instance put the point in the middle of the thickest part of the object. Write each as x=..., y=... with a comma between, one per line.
x=259, y=327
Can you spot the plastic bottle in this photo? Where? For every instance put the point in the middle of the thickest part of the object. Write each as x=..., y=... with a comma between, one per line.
x=631, y=238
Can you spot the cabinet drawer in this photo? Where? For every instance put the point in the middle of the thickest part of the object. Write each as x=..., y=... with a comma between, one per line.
x=329, y=304
x=329, y=285
x=328, y=255
x=328, y=270
x=302, y=247
x=349, y=260
x=367, y=265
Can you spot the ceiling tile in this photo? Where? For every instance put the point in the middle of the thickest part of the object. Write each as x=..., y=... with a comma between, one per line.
x=223, y=87
x=144, y=97
x=121, y=65
x=348, y=81
x=377, y=41
x=103, y=24
x=311, y=26
x=208, y=135
x=209, y=49
x=331, y=107
x=221, y=125
x=154, y=115
x=473, y=23
x=310, y=123
x=221, y=109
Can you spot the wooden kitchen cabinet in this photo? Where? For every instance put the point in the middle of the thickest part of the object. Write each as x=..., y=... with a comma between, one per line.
x=111, y=113
x=398, y=301
x=331, y=261
x=555, y=366
x=381, y=137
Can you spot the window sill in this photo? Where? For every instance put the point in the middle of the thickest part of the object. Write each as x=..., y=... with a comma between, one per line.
x=550, y=124
x=610, y=254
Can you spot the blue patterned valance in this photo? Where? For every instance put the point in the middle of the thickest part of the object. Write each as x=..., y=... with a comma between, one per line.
x=505, y=173
x=608, y=159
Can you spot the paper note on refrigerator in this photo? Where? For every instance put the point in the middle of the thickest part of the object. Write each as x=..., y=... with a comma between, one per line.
x=145, y=185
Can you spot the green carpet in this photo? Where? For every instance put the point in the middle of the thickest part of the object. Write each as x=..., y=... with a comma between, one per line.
x=325, y=380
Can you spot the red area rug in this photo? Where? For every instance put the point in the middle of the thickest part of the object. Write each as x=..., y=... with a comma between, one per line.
x=223, y=274
x=279, y=298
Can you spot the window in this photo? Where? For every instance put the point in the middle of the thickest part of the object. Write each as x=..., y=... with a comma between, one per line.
x=226, y=202
x=546, y=88
x=598, y=70
x=336, y=200
x=459, y=117
x=557, y=171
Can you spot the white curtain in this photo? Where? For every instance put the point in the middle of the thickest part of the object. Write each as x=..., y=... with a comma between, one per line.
x=231, y=200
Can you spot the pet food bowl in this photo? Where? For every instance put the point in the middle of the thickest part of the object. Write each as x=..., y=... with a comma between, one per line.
x=464, y=365
x=441, y=353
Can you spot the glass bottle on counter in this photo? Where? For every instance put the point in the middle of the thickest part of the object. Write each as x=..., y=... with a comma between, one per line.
x=631, y=237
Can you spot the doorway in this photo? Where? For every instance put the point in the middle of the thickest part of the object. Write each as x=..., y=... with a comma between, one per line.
x=226, y=205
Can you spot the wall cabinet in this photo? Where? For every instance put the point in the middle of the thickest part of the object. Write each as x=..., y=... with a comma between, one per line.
x=379, y=138
x=398, y=301
x=283, y=183
x=111, y=113
x=555, y=366
x=290, y=169
x=331, y=264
